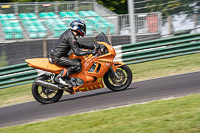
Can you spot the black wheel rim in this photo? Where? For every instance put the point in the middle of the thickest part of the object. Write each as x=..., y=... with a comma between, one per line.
x=46, y=93
x=122, y=75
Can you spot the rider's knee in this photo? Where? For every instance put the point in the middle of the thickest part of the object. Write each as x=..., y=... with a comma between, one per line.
x=78, y=68
x=78, y=64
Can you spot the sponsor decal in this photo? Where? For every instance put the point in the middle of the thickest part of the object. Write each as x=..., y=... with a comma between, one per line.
x=104, y=61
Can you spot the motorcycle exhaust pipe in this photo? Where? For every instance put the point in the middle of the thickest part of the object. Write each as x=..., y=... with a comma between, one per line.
x=47, y=85
x=53, y=86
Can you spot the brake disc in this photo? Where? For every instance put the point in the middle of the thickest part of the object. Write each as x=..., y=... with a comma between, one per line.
x=47, y=91
x=121, y=75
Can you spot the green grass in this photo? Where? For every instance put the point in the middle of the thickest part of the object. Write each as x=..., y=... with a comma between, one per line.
x=166, y=67
x=181, y=115
x=14, y=95
x=141, y=71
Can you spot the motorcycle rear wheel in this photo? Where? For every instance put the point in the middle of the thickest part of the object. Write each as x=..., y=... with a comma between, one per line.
x=43, y=94
x=114, y=84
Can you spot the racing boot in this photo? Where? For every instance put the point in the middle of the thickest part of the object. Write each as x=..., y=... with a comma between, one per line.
x=62, y=79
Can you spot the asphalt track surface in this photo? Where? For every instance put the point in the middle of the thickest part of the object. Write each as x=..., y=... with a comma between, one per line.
x=138, y=92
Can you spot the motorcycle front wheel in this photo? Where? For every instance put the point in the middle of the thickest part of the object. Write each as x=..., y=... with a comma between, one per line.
x=43, y=94
x=115, y=84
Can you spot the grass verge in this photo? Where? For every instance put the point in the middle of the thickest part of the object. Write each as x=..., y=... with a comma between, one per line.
x=166, y=67
x=179, y=115
x=14, y=95
x=141, y=71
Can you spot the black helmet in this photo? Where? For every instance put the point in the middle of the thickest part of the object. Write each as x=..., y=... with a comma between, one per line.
x=79, y=26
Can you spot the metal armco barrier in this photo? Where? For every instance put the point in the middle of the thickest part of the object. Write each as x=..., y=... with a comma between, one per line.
x=160, y=48
x=16, y=75
x=128, y=53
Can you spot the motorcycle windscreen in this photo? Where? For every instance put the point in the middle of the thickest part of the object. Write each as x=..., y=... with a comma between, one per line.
x=44, y=64
x=101, y=37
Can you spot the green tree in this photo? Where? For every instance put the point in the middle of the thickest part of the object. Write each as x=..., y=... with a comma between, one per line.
x=140, y=6
x=117, y=6
x=170, y=7
x=6, y=1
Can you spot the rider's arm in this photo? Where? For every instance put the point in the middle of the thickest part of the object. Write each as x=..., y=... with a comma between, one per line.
x=74, y=46
x=86, y=46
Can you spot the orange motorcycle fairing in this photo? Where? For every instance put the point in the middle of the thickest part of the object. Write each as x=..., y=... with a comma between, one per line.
x=92, y=81
x=117, y=64
x=90, y=86
x=44, y=64
x=93, y=78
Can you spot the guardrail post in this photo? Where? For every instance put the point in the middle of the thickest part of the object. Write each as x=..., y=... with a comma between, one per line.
x=195, y=22
x=36, y=8
x=44, y=47
x=132, y=20
x=16, y=8
x=169, y=19
x=56, y=7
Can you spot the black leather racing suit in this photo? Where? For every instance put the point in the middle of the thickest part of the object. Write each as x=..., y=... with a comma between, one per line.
x=67, y=42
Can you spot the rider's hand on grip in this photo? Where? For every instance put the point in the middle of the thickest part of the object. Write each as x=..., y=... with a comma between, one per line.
x=94, y=51
x=97, y=46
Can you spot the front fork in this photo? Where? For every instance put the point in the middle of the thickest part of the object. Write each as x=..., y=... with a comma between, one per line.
x=118, y=78
x=114, y=66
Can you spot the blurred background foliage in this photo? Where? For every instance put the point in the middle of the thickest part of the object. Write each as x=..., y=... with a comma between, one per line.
x=167, y=7
x=118, y=6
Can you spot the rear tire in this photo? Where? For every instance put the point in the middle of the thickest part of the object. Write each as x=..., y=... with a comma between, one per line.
x=114, y=84
x=43, y=94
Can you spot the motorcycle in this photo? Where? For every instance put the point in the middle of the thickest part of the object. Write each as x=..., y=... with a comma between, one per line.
x=97, y=70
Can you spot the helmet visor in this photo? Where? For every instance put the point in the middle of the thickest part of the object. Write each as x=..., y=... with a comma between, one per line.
x=83, y=27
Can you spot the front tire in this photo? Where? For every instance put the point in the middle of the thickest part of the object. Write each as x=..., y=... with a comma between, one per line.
x=43, y=94
x=114, y=84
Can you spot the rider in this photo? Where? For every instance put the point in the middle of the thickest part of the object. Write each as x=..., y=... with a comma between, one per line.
x=68, y=42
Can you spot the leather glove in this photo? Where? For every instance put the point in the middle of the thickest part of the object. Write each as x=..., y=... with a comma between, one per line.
x=94, y=51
